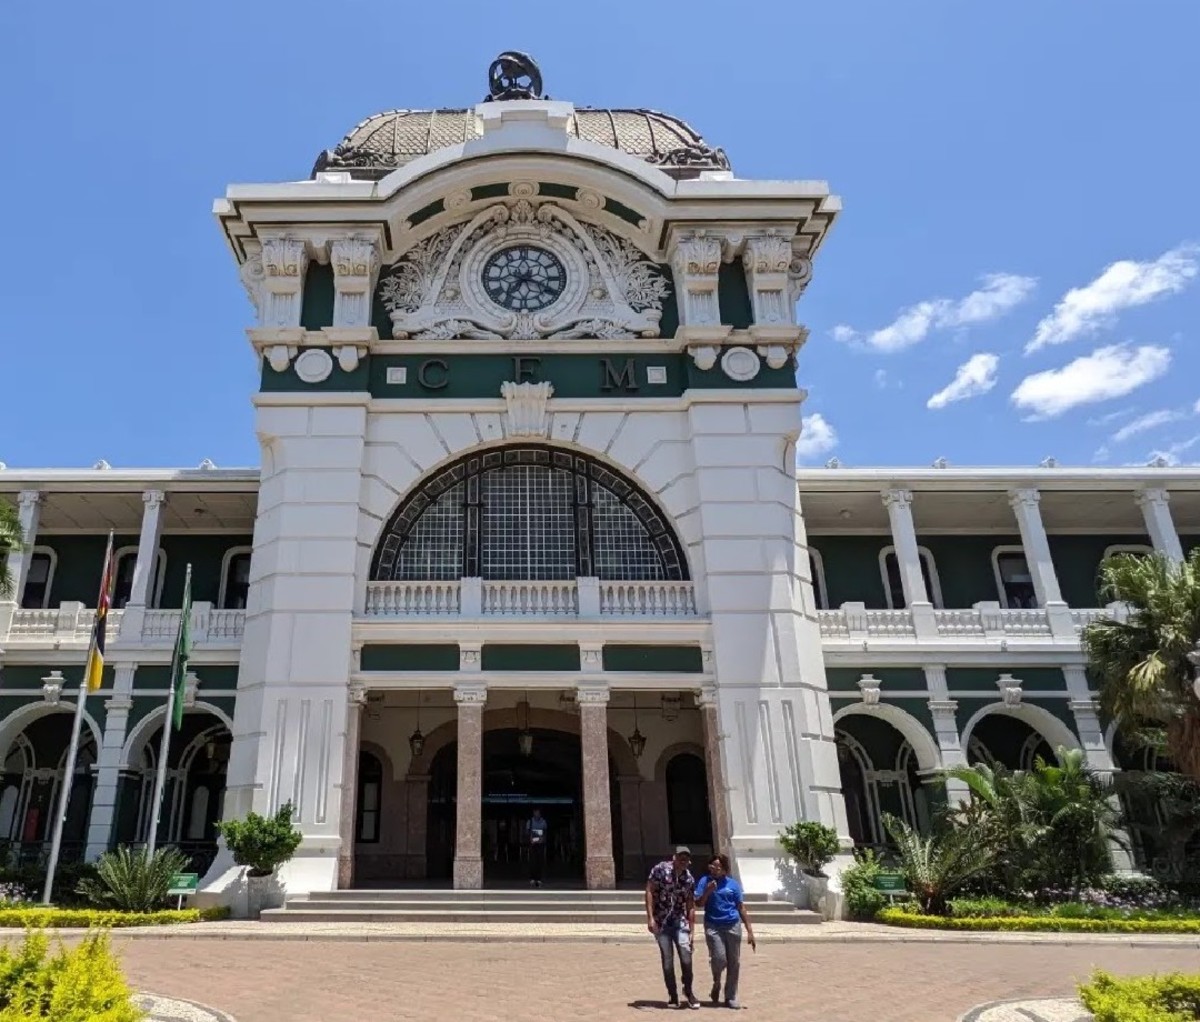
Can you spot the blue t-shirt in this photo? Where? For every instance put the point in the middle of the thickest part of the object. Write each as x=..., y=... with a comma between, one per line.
x=721, y=909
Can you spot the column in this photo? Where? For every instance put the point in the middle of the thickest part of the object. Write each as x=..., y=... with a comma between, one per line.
x=1160, y=527
x=944, y=711
x=356, y=700
x=718, y=795
x=904, y=539
x=29, y=504
x=597, y=809
x=141, y=593
x=468, y=856
x=108, y=762
x=1025, y=505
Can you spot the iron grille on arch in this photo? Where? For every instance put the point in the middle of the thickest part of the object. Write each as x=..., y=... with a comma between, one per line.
x=528, y=513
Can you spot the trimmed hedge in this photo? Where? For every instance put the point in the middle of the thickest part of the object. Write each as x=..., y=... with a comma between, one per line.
x=1046, y=924
x=37, y=917
x=1142, y=998
x=71, y=984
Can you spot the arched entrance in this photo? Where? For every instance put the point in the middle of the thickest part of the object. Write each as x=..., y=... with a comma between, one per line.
x=515, y=782
x=880, y=775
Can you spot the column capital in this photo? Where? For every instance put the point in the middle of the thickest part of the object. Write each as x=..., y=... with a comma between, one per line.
x=943, y=705
x=120, y=703
x=592, y=695
x=1152, y=496
x=706, y=696
x=1027, y=498
x=897, y=498
x=153, y=499
x=1085, y=707
x=470, y=695
x=29, y=499
x=356, y=695
x=354, y=256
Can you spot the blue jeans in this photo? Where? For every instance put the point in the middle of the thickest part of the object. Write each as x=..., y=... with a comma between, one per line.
x=672, y=938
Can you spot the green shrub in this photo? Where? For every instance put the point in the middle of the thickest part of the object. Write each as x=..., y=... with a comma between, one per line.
x=937, y=866
x=133, y=881
x=1046, y=923
x=79, y=984
x=36, y=917
x=1173, y=998
x=31, y=879
x=813, y=845
x=262, y=843
x=863, y=902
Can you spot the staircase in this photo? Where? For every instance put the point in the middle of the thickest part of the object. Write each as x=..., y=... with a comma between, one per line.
x=529, y=907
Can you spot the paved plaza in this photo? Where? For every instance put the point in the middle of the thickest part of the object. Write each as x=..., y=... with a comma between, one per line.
x=321, y=981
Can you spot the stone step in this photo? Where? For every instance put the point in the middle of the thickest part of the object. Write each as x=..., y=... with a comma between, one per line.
x=538, y=896
x=557, y=909
x=492, y=915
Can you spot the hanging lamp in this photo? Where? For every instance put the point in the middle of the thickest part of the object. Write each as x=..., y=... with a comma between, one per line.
x=416, y=741
x=525, y=736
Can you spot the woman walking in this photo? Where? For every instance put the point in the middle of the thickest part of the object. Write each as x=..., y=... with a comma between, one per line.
x=723, y=901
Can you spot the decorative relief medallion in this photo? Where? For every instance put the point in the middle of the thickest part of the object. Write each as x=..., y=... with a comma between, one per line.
x=314, y=365
x=523, y=270
x=740, y=364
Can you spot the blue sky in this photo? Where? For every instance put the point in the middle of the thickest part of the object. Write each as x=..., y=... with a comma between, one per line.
x=995, y=161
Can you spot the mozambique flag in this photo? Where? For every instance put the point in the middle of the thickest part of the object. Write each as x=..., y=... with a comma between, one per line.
x=183, y=650
x=95, y=662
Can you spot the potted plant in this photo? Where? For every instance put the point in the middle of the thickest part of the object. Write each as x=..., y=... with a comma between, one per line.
x=813, y=845
x=262, y=844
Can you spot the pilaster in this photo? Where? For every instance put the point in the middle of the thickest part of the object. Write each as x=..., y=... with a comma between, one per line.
x=696, y=266
x=468, y=854
x=108, y=762
x=284, y=262
x=355, y=262
x=944, y=711
x=1160, y=526
x=355, y=701
x=599, y=869
x=718, y=792
x=767, y=262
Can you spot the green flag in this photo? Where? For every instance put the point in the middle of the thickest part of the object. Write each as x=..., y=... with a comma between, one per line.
x=183, y=649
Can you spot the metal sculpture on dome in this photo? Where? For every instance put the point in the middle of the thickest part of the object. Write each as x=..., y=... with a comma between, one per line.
x=514, y=75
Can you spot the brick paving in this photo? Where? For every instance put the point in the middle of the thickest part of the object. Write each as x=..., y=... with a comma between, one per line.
x=323, y=981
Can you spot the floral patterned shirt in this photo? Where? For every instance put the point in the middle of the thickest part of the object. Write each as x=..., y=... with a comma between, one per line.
x=670, y=892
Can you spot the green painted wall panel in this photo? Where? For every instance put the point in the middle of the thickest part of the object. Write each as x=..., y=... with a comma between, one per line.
x=983, y=679
x=410, y=656
x=316, y=305
x=892, y=679
x=205, y=554
x=80, y=562
x=852, y=568
x=964, y=566
x=520, y=657
x=339, y=380
x=734, y=295
x=680, y=659
x=1077, y=562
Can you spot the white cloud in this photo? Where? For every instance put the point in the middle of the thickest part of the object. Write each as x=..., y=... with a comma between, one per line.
x=1151, y=420
x=999, y=293
x=1123, y=285
x=1109, y=372
x=817, y=437
x=1104, y=420
x=977, y=375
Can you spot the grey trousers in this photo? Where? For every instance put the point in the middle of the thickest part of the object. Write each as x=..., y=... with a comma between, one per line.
x=725, y=955
x=673, y=939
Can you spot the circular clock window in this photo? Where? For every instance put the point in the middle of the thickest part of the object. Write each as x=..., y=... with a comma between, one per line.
x=524, y=278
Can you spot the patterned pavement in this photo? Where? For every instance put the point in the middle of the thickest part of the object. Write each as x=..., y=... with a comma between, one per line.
x=168, y=1009
x=321, y=981
x=1054, y=1009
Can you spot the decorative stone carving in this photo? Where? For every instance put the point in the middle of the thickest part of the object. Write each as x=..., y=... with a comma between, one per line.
x=765, y=261
x=102, y=465
x=834, y=463
x=1010, y=689
x=314, y=365
x=207, y=465
x=356, y=695
x=696, y=263
x=591, y=657
x=611, y=290
x=470, y=695
x=1050, y=462
x=941, y=463
x=284, y=257
x=705, y=356
x=253, y=275
x=191, y=687
x=672, y=704
x=525, y=411
x=52, y=686
x=349, y=355
x=284, y=262
x=741, y=364
x=776, y=355
x=869, y=686
x=355, y=263
x=799, y=274
x=591, y=695
x=279, y=356
x=707, y=696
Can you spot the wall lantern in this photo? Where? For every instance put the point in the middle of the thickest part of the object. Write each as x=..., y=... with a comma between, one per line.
x=637, y=741
x=416, y=741
x=525, y=736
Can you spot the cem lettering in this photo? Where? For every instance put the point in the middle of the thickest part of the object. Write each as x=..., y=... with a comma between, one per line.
x=434, y=373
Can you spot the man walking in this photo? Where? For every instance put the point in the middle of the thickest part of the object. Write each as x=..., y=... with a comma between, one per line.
x=671, y=917
x=537, y=848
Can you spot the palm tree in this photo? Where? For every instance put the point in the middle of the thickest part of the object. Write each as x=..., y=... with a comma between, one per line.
x=1142, y=664
x=12, y=537
x=936, y=867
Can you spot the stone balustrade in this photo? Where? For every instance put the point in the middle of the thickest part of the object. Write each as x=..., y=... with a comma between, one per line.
x=71, y=623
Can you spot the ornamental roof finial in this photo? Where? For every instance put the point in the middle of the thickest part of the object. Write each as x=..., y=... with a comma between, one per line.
x=514, y=75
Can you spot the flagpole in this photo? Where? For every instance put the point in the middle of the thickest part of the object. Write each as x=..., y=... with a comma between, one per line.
x=64, y=792
x=160, y=780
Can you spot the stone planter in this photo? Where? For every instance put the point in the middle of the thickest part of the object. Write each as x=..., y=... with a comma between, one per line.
x=262, y=893
x=820, y=897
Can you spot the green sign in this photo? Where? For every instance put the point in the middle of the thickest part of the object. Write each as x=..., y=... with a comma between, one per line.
x=184, y=883
x=891, y=883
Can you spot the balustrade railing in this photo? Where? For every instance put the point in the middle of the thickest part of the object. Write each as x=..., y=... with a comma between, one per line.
x=647, y=599
x=413, y=599
x=530, y=599
x=72, y=622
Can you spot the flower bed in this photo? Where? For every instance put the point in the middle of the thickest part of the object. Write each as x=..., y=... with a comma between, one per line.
x=36, y=917
x=1046, y=923
x=1142, y=998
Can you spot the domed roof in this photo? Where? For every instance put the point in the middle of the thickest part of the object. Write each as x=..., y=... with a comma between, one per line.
x=391, y=139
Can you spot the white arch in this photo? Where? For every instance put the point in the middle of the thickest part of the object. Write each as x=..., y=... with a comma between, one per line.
x=23, y=716
x=924, y=746
x=144, y=728
x=1040, y=719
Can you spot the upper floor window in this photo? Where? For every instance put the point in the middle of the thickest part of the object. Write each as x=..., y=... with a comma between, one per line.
x=1014, y=580
x=235, y=579
x=893, y=587
x=39, y=576
x=816, y=569
x=126, y=559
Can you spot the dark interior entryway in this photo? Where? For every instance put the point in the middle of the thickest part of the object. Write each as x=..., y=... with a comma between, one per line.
x=515, y=782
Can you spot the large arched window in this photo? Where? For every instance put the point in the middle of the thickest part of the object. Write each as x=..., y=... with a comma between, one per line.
x=528, y=513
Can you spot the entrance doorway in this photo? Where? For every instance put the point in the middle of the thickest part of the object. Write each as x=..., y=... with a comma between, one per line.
x=548, y=777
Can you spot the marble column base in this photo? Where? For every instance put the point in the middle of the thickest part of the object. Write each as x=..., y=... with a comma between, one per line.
x=600, y=872
x=468, y=874
x=345, y=876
